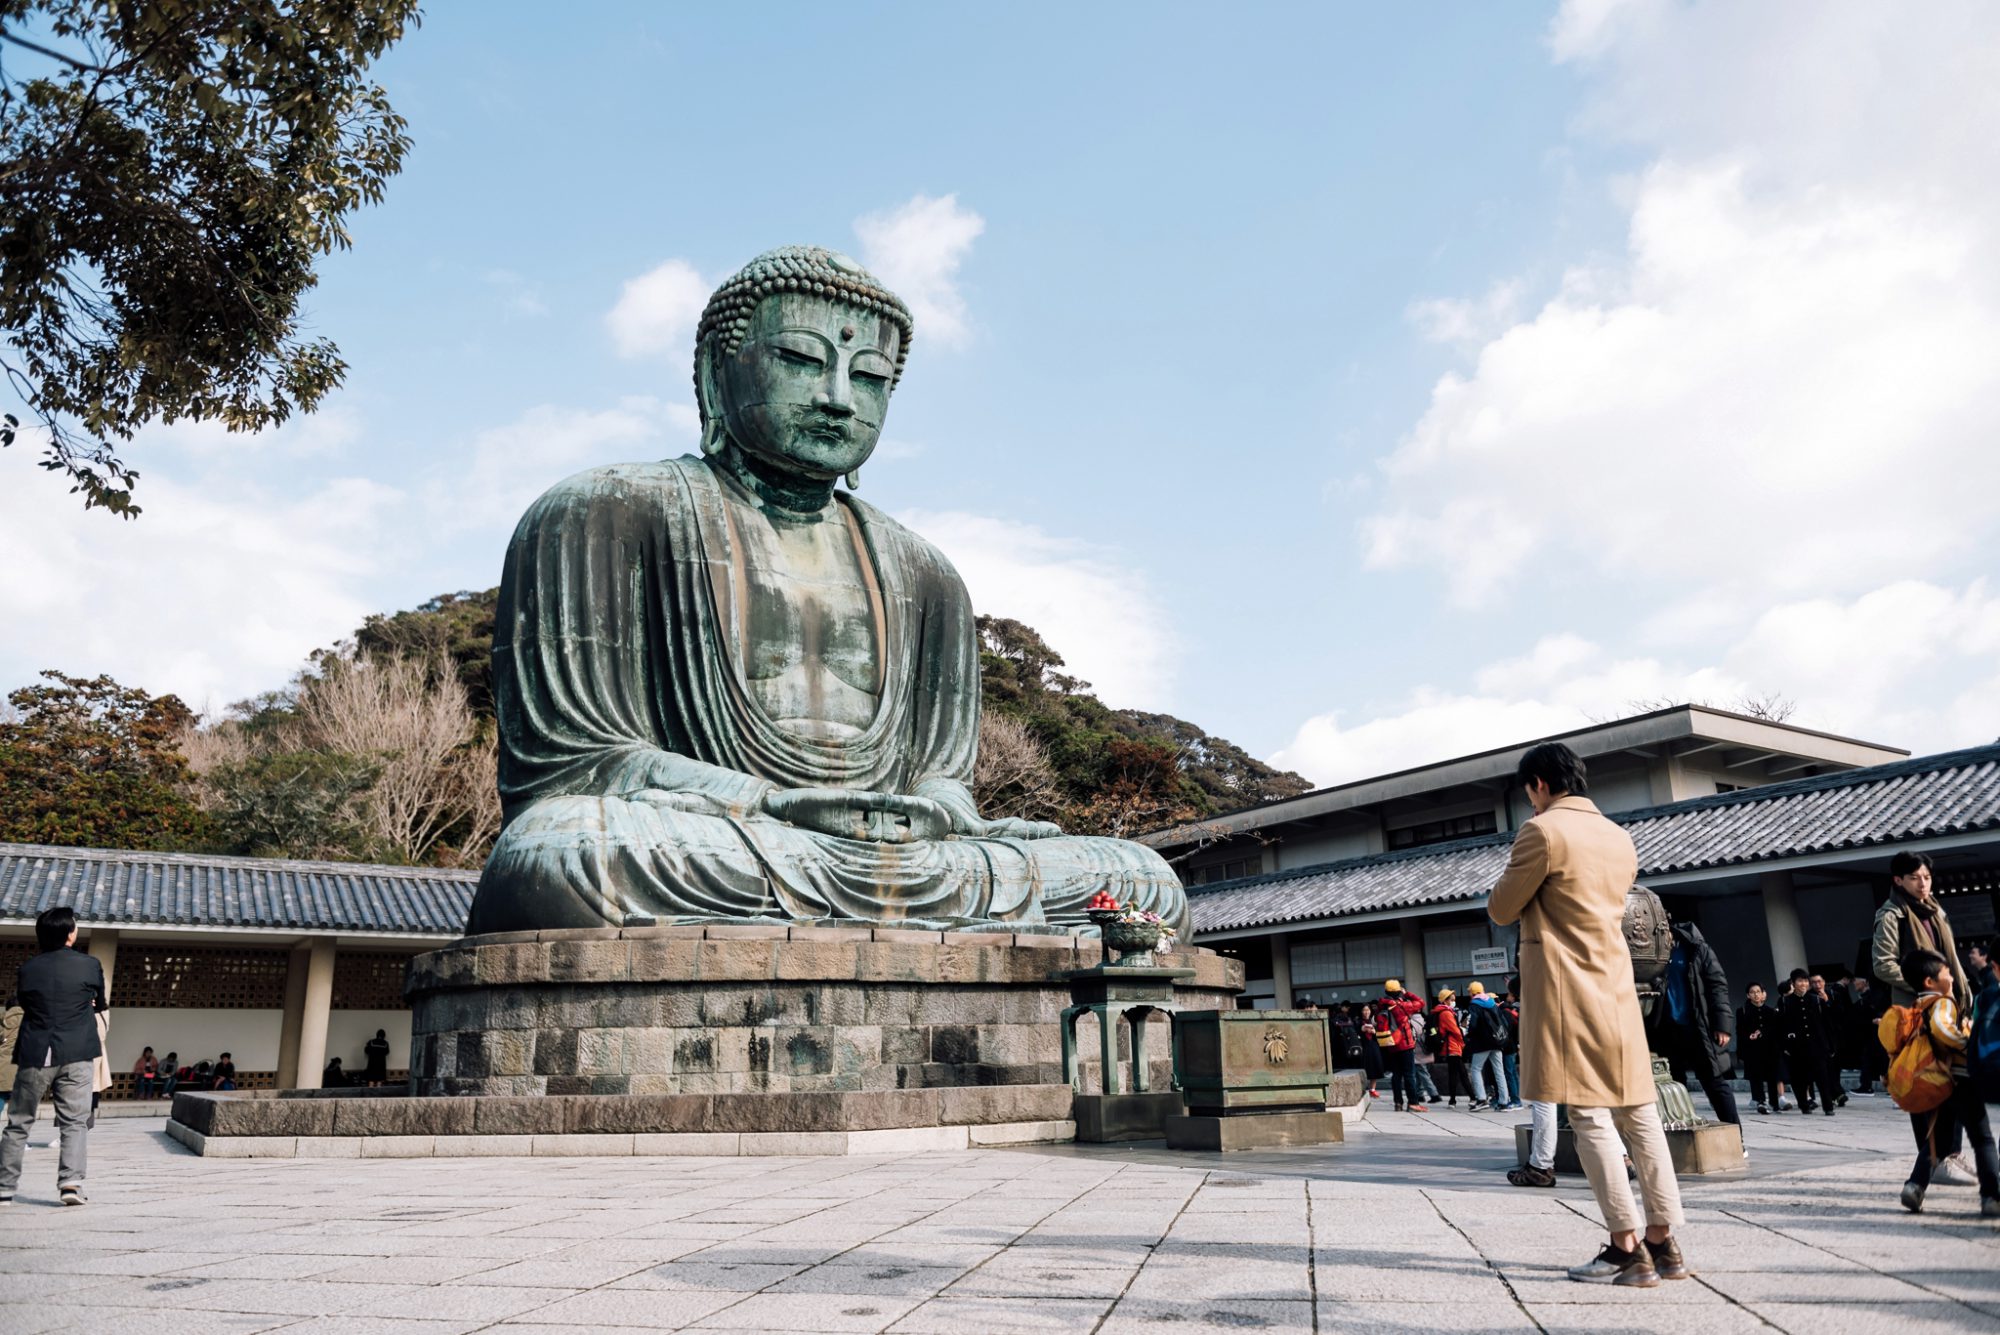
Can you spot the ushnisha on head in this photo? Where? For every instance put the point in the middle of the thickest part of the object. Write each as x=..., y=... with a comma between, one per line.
x=795, y=357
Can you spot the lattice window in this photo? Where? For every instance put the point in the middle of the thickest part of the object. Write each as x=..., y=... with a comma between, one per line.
x=1448, y=950
x=13, y=954
x=200, y=977
x=1318, y=962
x=369, y=980
x=1371, y=957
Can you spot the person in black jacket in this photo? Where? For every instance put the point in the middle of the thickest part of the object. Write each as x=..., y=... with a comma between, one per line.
x=1760, y=1033
x=1809, y=1044
x=61, y=991
x=1694, y=1027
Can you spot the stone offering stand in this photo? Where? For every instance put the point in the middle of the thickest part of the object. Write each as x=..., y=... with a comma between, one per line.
x=718, y=1039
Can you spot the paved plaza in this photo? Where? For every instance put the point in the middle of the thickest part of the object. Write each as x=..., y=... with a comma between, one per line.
x=1407, y=1227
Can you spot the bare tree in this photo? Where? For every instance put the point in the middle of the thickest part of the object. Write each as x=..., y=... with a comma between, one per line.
x=1767, y=705
x=1011, y=775
x=436, y=763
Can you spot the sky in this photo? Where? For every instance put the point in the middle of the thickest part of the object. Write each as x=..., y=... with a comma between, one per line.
x=1368, y=385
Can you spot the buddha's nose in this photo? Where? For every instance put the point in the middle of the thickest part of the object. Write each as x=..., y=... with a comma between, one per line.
x=836, y=400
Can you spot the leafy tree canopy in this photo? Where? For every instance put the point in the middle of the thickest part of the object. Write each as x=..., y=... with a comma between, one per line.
x=87, y=763
x=170, y=171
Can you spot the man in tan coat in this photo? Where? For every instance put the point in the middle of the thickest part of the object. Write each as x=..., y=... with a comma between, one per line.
x=1583, y=1039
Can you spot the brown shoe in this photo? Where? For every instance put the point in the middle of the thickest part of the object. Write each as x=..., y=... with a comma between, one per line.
x=1527, y=1175
x=1628, y=1270
x=1667, y=1260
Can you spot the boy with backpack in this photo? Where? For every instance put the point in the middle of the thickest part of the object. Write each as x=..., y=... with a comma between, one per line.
x=1929, y=1080
x=1394, y=1015
x=1485, y=1042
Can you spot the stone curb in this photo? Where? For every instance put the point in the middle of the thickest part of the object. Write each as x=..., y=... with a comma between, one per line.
x=903, y=1140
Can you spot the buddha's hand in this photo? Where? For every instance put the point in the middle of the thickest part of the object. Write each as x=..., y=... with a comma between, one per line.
x=846, y=813
x=1008, y=827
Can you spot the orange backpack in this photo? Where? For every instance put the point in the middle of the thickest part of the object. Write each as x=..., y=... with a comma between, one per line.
x=1918, y=1081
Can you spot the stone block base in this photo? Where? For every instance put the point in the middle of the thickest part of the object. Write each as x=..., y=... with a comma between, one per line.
x=758, y=1009
x=896, y=1140
x=1102, y=1118
x=1714, y=1148
x=1254, y=1131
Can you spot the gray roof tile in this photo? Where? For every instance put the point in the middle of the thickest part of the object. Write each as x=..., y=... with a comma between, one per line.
x=194, y=890
x=1927, y=797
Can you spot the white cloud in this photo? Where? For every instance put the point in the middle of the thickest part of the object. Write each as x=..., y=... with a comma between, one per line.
x=1099, y=615
x=1909, y=664
x=218, y=591
x=1458, y=320
x=1768, y=394
x=328, y=430
x=916, y=249
x=507, y=467
x=656, y=312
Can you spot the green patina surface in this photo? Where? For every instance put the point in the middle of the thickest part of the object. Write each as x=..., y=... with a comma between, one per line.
x=727, y=689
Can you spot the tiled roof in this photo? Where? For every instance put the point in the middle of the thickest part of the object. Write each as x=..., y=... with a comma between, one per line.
x=191, y=890
x=1928, y=797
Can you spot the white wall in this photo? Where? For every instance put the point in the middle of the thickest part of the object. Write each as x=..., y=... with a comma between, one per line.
x=250, y=1037
x=348, y=1031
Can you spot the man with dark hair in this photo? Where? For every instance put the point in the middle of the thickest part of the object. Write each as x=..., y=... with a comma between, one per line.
x=61, y=992
x=1583, y=1038
x=1759, y=1028
x=1809, y=1036
x=1913, y=919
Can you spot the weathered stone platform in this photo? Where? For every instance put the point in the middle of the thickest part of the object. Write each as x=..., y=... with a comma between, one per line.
x=1715, y=1147
x=712, y=1040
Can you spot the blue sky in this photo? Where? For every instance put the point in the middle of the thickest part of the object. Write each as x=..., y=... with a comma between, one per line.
x=1366, y=385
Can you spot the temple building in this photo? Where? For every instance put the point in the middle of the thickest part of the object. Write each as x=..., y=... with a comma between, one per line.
x=282, y=964
x=1773, y=840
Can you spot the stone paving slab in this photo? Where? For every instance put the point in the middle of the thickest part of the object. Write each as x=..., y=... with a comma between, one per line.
x=1408, y=1227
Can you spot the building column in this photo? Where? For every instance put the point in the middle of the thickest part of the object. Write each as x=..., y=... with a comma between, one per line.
x=308, y=1008
x=1781, y=922
x=1415, y=981
x=104, y=949
x=1281, y=970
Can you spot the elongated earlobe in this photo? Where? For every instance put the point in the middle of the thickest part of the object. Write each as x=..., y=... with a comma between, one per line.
x=854, y=479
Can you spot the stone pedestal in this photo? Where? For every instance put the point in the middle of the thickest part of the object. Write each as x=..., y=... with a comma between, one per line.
x=1712, y=1147
x=1254, y=1131
x=693, y=1039
x=1102, y=1118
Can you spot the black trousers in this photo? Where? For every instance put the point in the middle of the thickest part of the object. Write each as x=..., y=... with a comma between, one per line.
x=1456, y=1080
x=1402, y=1074
x=1813, y=1070
x=1760, y=1068
x=1962, y=1117
x=1685, y=1053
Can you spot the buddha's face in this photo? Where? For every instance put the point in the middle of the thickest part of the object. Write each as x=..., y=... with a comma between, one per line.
x=809, y=388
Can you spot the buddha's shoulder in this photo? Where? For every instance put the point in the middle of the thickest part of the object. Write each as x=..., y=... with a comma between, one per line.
x=912, y=547
x=646, y=486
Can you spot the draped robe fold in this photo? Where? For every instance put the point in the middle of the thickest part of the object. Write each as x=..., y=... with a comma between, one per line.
x=634, y=757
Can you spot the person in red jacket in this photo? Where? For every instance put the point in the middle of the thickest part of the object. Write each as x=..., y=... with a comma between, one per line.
x=1451, y=1046
x=1392, y=1014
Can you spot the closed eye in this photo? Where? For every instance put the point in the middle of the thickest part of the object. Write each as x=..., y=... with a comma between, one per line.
x=797, y=358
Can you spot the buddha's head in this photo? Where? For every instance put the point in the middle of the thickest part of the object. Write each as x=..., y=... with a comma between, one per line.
x=794, y=360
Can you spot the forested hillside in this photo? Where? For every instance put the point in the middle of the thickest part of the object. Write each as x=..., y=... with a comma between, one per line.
x=383, y=749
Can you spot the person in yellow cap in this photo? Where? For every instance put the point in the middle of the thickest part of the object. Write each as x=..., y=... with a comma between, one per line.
x=1451, y=1045
x=1393, y=1013
x=1485, y=1047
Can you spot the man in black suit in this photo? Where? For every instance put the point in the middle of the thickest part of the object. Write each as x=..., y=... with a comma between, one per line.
x=61, y=991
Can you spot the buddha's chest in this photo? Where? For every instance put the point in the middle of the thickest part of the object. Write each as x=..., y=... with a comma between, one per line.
x=806, y=619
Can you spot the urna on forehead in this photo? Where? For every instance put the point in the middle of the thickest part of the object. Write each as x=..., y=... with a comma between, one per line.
x=807, y=270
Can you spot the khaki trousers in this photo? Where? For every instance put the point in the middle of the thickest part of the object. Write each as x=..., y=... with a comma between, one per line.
x=1597, y=1145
